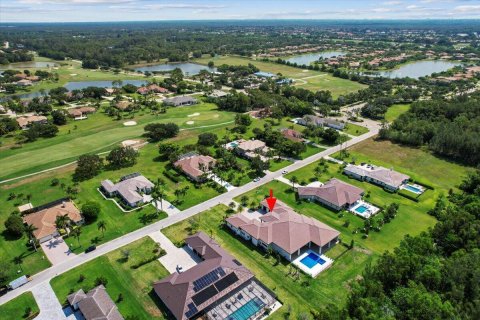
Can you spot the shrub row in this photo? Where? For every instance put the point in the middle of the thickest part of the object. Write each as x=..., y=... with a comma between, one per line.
x=425, y=185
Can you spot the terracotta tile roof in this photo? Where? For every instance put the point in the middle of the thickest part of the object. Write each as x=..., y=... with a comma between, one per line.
x=192, y=165
x=334, y=191
x=292, y=135
x=44, y=219
x=285, y=228
x=251, y=145
x=178, y=290
x=27, y=120
x=77, y=112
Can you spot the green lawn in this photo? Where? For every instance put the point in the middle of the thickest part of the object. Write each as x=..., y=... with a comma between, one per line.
x=304, y=294
x=16, y=308
x=135, y=285
x=307, y=79
x=355, y=129
x=395, y=111
x=98, y=133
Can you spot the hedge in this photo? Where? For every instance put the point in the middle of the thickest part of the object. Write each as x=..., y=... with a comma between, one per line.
x=407, y=194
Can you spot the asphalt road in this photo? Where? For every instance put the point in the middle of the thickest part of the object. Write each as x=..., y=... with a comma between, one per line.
x=225, y=198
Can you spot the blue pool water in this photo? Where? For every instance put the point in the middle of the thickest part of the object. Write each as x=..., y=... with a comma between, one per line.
x=312, y=260
x=361, y=209
x=413, y=189
x=247, y=310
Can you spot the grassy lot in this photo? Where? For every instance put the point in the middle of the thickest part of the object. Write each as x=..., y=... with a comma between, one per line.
x=97, y=134
x=395, y=111
x=135, y=285
x=15, y=309
x=355, y=129
x=302, y=295
x=309, y=79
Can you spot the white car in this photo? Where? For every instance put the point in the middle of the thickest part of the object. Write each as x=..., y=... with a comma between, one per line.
x=256, y=179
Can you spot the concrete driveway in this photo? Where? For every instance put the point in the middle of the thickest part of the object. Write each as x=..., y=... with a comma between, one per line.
x=175, y=256
x=57, y=251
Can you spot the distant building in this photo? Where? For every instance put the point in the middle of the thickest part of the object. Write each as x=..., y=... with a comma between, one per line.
x=194, y=165
x=335, y=194
x=24, y=83
x=262, y=74
x=387, y=178
x=284, y=231
x=219, y=287
x=26, y=121
x=95, y=305
x=123, y=105
x=129, y=188
x=321, y=122
x=153, y=88
x=80, y=112
x=218, y=94
x=180, y=101
x=292, y=135
x=44, y=217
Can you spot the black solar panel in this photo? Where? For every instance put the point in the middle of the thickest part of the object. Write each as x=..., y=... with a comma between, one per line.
x=208, y=279
x=192, y=310
x=204, y=295
x=226, y=282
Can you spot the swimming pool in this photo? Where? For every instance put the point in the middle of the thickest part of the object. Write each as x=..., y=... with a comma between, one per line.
x=361, y=209
x=247, y=310
x=312, y=260
x=413, y=189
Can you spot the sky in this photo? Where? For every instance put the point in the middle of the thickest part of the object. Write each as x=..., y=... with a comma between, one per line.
x=148, y=10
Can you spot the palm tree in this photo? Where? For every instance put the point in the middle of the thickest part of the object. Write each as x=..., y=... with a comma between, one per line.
x=63, y=221
x=157, y=193
x=29, y=229
x=18, y=260
x=244, y=200
x=76, y=233
x=102, y=226
x=293, y=180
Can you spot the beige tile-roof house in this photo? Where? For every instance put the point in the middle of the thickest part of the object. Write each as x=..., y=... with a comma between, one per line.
x=95, y=305
x=387, y=178
x=285, y=231
x=25, y=121
x=206, y=289
x=44, y=217
x=335, y=194
x=194, y=166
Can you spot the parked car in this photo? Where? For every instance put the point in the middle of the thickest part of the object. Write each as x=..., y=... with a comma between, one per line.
x=90, y=249
x=284, y=172
x=256, y=179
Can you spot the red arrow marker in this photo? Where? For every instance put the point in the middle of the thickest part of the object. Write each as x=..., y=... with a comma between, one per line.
x=271, y=201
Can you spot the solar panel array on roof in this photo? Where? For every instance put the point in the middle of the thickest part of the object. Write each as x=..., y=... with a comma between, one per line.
x=192, y=310
x=208, y=279
x=204, y=295
x=226, y=282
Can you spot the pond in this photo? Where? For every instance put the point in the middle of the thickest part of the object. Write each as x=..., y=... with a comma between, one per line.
x=306, y=59
x=417, y=69
x=187, y=68
x=80, y=85
x=28, y=65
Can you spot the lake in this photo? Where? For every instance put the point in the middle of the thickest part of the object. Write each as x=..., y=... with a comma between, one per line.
x=78, y=85
x=417, y=69
x=28, y=65
x=307, y=59
x=187, y=68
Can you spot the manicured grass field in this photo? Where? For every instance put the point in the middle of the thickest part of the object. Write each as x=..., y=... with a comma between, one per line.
x=355, y=129
x=303, y=294
x=15, y=309
x=395, y=111
x=135, y=285
x=98, y=133
x=307, y=79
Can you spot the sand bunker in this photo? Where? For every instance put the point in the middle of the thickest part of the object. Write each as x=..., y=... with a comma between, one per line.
x=196, y=114
x=73, y=74
x=135, y=144
x=130, y=123
x=190, y=122
x=305, y=70
x=216, y=115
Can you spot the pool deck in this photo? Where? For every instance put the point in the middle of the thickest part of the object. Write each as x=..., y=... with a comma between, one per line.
x=315, y=271
x=371, y=209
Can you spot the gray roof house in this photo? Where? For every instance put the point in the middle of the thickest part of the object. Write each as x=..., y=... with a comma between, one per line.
x=335, y=194
x=387, y=178
x=129, y=188
x=95, y=305
x=215, y=288
x=180, y=101
x=321, y=122
x=285, y=231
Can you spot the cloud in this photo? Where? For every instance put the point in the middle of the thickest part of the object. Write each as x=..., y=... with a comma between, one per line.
x=392, y=3
x=467, y=8
x=73, y=2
